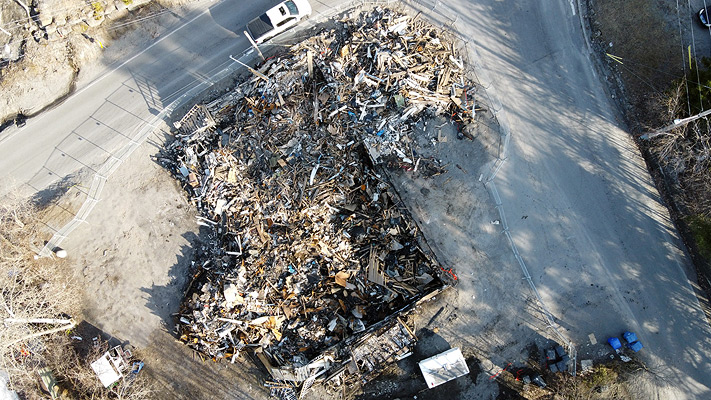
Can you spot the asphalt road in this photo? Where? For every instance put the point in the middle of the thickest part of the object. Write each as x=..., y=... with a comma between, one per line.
x=582, y=208
x=106, y=113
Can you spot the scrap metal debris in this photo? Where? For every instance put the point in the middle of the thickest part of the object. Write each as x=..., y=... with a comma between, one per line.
x=312, y=256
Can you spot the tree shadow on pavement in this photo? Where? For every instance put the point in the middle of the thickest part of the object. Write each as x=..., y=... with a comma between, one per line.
x=164, y=300
x=600, y=246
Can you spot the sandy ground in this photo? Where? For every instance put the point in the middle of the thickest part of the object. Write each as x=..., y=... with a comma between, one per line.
x=489, y=314
x=132, y=257
x=134, y=253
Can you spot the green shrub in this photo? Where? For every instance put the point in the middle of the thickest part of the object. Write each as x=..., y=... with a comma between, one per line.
x=98, y=10
x=701, y=230
x=602, y=376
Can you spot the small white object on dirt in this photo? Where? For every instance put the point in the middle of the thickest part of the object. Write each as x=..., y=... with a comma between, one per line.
x=592, y=338
x=443, y=367
x=586, y=365
x=495, y=222
x=111, y=365
x=61, y=253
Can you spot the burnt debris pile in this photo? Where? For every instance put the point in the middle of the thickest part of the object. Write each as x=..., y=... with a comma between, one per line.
x=312, y=260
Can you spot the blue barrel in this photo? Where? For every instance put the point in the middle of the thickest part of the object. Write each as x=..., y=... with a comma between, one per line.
x=635, y=346
x=614, y=342
x=630, y=337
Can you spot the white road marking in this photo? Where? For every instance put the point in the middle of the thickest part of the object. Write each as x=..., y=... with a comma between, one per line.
x=99, y=79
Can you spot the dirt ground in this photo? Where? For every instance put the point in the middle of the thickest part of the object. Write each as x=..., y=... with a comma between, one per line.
x=133, y=255
x=134, y=260
x=646, y=71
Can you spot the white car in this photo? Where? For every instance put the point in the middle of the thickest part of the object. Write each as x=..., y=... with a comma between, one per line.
x=278, y=19
x=704, y=17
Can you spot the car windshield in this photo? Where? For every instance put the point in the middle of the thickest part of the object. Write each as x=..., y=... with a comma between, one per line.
x=292, y=7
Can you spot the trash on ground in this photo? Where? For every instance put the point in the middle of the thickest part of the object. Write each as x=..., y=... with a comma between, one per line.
x=586, y=365
x=557, y=359
x=614, y=342
x=110, y=367
x=538, y=380
x=632, y=342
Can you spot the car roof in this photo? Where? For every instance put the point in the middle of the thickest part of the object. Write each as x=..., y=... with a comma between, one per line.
x=279, y=13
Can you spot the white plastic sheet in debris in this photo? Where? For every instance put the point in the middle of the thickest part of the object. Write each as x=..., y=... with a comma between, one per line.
x=443, y=367
x=105, y=370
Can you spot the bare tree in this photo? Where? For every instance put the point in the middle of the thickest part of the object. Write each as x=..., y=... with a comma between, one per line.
x=2, y=29
x=35, y=295
x=684, y=153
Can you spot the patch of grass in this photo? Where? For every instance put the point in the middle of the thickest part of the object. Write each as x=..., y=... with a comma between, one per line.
x=98, y=10
x=701, y=230
x=127, y=2
x=648, y=70
x=601, y=376
x=699, y=94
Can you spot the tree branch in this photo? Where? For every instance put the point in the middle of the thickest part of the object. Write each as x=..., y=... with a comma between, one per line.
x=37, y=334
x=37, y=321
x=23, y=5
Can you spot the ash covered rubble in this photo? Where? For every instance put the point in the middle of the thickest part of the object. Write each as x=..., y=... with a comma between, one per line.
x=312, y=261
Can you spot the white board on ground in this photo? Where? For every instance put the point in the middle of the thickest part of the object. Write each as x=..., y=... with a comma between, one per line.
x=443, y=367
